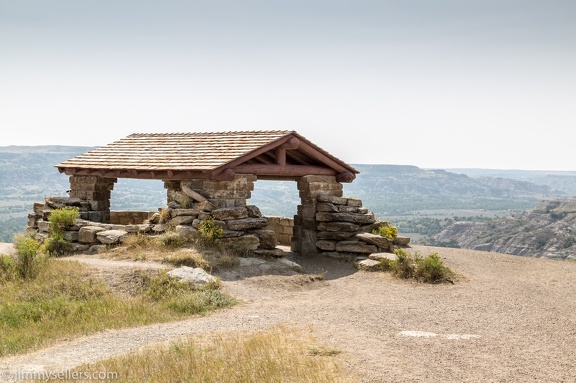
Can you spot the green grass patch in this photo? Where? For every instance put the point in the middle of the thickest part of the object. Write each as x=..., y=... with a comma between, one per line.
x=64, y=300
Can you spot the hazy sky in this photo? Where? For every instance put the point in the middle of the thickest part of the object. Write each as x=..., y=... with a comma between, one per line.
x=431, y=83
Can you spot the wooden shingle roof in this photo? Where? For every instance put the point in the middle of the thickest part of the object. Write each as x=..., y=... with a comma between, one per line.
x=221, y=155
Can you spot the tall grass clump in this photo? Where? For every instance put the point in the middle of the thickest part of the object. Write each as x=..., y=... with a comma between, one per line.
x=274, y=355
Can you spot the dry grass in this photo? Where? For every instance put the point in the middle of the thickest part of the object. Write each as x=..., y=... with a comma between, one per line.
x=275, y=355
x=160, y=249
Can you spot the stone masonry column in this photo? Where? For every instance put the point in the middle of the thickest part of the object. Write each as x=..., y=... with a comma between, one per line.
x=97, y=191
x=305, y=234
x=221, y=194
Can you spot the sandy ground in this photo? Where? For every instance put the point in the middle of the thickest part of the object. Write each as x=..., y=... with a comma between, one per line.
x=6, y=248
x=508, y=319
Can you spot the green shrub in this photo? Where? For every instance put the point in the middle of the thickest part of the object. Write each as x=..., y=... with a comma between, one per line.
x=431, y=269
x=403, y=266
x=210, y=231
x=387, y=231
x=29, y=260
x=186, y=202
x=56, y=245
x=385, y=264
x=61, y=218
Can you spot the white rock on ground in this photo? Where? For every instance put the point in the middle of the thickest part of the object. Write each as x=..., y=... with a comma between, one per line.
x=192, y=275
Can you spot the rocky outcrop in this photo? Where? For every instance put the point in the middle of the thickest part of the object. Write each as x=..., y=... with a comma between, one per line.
x=549, y=231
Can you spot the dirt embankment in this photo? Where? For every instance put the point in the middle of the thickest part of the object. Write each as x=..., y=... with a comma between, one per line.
x=509, y=319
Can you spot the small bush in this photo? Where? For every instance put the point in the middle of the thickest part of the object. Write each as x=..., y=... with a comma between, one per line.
x=61, y=218
x=385, y=264
x=56, y=245
x=403, y=266
x=29, y=260
x=387, y=231
x=431, y=269
x=186, y=202
x=210, y=231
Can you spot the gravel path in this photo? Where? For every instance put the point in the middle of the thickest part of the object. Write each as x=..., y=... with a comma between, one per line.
x=509, y=319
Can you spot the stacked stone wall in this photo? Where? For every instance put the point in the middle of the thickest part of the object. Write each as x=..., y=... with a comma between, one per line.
x=283, y=227
x=344, y=229
x=189, y=203
x=129, y=217
x=305, y=233
x=96, y=191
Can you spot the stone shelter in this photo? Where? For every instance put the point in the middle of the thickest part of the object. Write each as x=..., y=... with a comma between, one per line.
x=212, y=175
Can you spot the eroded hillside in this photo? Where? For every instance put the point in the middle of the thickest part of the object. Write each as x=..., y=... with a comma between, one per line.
x=549, y=231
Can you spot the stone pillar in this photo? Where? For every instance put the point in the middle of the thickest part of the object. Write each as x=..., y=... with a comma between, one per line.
x=305, y=234
x=97, y=191
x=221, y=194
x=174, y=193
